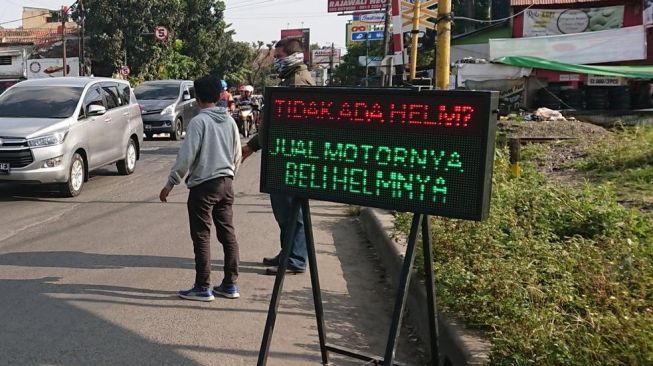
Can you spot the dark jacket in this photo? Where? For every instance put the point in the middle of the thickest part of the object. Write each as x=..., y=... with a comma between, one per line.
x=297, y=76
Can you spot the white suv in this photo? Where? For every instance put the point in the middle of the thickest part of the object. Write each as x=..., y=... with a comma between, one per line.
x=56, y=130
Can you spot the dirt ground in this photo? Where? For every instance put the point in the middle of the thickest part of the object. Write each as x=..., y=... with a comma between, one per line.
x=566, y=144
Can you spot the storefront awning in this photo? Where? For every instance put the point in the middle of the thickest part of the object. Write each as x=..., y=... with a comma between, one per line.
x=635, y=72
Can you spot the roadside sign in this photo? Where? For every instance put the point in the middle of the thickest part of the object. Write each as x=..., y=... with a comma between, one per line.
x=370, y=18
x=161, y=33
x=428, y=152
x=125, y=70
x=375, y=35
x=336, y=6
x=358, y=36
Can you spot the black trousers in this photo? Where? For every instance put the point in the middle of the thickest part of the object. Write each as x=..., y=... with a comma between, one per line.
x=210, y=202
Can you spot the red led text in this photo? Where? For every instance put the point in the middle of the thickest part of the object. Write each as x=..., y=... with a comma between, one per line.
x=446, y=115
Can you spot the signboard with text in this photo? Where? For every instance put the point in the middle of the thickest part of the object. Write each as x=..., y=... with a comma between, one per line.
x=336, y=6
x=548, y=22
x=427, y=152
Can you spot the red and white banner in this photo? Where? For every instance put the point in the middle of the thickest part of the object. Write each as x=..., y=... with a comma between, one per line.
x=336, y=6
x=397, y=34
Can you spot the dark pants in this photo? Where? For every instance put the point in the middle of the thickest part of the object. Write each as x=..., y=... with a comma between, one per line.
x=212, y=201
x=281, y=204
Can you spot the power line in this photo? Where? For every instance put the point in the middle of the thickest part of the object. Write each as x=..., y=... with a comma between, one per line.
x=494, y=20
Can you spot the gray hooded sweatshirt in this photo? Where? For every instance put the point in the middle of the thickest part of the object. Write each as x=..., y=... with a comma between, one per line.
x=211, y=149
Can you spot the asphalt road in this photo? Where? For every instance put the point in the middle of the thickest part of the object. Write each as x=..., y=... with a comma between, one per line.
x=93, y=280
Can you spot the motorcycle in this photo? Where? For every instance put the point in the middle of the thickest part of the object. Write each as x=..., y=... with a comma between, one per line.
x=246, y=117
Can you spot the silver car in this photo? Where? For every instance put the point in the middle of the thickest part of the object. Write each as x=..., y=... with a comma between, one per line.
x=56, y=130
x=167, y=106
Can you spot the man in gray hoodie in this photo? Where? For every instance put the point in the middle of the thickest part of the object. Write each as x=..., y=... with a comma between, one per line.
x=210, y=155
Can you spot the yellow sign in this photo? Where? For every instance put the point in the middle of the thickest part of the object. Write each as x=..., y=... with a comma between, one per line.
x=408, y=11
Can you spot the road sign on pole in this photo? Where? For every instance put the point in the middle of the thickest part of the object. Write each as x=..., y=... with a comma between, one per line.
x=161, y=33
x=125, y=70
x=358, y=36
x=375, y=35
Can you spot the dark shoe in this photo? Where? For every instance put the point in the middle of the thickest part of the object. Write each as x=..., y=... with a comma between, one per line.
x=197, y=293
x=228, y=291
x=272, y=271
x=271, y=261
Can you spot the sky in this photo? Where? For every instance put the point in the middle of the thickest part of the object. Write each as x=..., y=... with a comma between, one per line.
x=252, y=20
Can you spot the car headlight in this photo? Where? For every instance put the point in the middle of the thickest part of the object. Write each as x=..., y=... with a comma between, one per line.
x=48, y=140
x=168, y=110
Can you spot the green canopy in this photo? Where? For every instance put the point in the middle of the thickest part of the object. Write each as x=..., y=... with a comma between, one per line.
x=636, y=72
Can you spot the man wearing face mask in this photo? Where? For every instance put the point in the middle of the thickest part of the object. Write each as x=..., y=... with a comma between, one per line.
x=289, y=64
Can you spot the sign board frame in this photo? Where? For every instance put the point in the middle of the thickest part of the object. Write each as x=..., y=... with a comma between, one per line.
x=469, y=199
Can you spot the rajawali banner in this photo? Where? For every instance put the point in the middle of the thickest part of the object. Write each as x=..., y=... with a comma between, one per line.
x=336, y=6
x=548, y=22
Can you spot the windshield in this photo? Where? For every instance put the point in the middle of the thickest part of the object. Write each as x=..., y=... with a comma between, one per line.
x=40, y=102
x=157, y=91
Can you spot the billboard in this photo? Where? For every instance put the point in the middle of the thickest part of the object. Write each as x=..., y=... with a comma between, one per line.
x=304, y=34
x=336, y=6
x=549, y=22
x=51, y=67
x=427, y=152
x=325, y=56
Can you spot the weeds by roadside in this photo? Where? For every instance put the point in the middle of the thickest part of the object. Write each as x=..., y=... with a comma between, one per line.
x=558, y=275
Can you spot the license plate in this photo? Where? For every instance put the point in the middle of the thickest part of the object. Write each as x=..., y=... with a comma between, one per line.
x=148, y=127
x=4, y=168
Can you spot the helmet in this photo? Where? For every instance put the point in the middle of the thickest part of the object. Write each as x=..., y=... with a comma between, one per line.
x=223, y=84
x=246, y=88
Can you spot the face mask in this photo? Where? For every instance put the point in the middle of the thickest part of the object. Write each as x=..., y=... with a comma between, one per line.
x=281, y=65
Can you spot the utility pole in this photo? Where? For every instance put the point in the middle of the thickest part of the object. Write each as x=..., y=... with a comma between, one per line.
x=82, y=56
x=331, y=70
x=415, y=35
x=443, y=55
x=386, y=40
x=63, y=38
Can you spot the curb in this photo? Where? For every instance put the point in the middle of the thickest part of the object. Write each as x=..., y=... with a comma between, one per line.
x=457, y=345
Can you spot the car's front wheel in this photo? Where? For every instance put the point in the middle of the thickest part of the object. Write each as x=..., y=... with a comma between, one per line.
x=177, y=130
x=127, y=165
x=76, y=178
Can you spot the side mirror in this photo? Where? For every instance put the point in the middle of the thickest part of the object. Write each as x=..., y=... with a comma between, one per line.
x=96, y=110
x=186, y=96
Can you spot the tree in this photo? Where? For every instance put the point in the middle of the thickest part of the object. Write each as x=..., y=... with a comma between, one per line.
x=261, y=65
x=199, y=40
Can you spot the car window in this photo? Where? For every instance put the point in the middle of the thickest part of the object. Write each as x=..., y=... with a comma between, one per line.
x=157, y=91
x=191, y=90
x=40, y=102
x=93, y=97
x=111, y=96
x=125, y=94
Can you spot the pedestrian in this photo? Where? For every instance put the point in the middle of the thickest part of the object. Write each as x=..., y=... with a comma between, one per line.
x=289, y=64
x=209, y=158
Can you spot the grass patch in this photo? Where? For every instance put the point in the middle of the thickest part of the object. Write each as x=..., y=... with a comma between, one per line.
x=556, y=276
x=625, y=160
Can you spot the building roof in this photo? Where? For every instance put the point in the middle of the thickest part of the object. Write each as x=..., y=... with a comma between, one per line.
x=550, y=2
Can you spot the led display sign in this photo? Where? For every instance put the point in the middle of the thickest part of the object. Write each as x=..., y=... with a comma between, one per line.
x=427, y=152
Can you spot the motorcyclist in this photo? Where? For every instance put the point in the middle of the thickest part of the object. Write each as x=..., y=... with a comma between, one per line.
x=245, y=100
x=226, y=99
